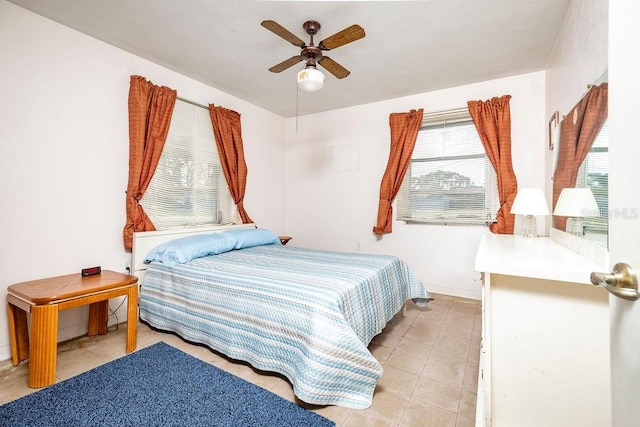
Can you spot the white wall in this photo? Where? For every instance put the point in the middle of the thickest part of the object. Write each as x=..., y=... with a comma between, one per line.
x=336, y=159
x=64, y=153
x=579, y=55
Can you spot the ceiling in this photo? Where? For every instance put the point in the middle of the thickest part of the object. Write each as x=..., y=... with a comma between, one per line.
x=410, y=46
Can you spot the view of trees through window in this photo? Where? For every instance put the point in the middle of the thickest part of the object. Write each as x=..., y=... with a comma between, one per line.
x=447, y=190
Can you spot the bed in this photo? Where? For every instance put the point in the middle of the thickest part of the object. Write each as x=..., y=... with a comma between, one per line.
x=307, y=314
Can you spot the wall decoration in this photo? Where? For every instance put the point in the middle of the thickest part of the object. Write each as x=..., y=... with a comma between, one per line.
x=554, y=130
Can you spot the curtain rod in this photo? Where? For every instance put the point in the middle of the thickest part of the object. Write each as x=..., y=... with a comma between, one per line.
x=193, y=103
x=444, y=117
x=446, y=112
x=602, y=78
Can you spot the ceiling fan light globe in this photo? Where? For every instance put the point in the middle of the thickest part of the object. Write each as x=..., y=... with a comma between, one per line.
x=310, y=79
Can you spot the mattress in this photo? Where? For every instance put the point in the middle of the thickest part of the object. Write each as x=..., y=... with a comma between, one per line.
x=304, y=313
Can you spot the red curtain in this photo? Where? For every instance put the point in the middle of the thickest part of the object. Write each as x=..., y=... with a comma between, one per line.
x=227, y=131
x=492, y=119
x=404, y=132
x=150, y=111
x=577, y=132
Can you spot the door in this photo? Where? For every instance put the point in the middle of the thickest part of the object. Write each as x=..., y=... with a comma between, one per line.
x=624, y=205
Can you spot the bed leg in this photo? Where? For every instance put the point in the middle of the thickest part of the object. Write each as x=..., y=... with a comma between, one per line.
x=404, y=309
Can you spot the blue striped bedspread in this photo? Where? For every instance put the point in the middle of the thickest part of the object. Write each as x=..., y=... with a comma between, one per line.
x=306, y=314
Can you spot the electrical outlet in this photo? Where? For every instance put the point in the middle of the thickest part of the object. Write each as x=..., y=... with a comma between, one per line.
x=358, y=247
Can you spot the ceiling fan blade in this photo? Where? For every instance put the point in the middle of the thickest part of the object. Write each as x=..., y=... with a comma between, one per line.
x=333, y=67
x=348, y=35
x=279, y=30
x=286, y=64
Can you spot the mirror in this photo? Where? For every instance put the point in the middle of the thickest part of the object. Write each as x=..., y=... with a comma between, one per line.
x=582, y=162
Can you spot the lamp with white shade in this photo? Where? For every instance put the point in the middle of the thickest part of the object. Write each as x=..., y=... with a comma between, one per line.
x=530, y=202
x=576, y=203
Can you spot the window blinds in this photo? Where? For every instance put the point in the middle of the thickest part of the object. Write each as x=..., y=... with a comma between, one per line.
x=188, y=187
x=450, y=179
x=594, y=174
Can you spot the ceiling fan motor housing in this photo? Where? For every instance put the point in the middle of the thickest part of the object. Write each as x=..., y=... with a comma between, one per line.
x=311, y=27
x=311, y=53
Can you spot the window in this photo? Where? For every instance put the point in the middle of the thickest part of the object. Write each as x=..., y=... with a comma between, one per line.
x=450, y=178
x=594, y=174
x=188, y=187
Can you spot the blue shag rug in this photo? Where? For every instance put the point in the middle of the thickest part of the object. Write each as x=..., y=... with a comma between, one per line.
x=156, y=386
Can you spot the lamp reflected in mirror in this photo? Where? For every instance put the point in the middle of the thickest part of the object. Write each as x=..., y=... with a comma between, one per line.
x=576, y=203
x=530, y=202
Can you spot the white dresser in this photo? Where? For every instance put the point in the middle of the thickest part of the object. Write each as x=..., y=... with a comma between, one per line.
x=545, y=339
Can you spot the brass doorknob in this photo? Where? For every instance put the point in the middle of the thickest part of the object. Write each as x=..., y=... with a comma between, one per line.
x=622, y=282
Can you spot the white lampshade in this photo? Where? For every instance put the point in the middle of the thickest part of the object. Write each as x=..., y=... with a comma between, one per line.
x=310, y=79
x=530, y=201
x=576, y=202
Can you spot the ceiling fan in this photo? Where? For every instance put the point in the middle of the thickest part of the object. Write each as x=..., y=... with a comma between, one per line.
x=310, y=78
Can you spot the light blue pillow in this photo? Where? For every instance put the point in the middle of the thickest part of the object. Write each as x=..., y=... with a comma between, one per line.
x=185, y=249
x=250, y=237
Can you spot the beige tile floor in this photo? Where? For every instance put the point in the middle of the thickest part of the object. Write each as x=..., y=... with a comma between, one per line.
x=430, y=359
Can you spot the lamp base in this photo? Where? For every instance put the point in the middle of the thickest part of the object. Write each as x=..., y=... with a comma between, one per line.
x=574, y=226
x=529, y=227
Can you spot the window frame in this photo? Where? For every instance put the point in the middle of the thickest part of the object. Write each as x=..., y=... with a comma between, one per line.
x=486, y=216
x=204, y=157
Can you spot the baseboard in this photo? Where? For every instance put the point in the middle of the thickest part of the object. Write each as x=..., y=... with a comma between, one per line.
x=64, y=334
x=455, y=292
x=79, y=329
x=5, y=352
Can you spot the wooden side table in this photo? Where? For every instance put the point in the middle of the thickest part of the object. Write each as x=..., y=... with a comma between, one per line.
x=45, y=298
x=285, y=239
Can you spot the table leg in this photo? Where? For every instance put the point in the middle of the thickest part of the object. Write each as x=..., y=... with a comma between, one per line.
x=98, y=317
x=44, y=341
x=132, y=318
x=18, y=334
